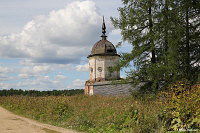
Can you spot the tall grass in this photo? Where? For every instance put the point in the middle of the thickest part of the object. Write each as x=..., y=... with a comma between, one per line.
x=90, y=113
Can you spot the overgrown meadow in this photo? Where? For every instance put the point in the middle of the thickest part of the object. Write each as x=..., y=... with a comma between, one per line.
x=148, y=113
x=88, y=113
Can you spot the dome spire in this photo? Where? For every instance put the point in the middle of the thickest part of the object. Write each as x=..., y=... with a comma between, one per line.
x=103, y=30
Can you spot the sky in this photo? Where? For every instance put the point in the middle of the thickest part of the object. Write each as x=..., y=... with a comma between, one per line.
x=44, y=43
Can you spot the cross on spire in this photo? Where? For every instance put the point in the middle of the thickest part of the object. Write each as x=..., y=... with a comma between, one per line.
x=103, y=30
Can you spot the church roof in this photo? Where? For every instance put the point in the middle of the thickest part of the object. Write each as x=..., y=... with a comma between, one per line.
x=103, y=47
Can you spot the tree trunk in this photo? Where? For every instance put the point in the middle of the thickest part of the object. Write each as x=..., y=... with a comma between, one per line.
x=153, y=58
x=187, y=42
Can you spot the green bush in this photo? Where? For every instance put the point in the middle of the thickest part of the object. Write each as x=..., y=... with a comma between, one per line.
x=182, y=107
x=98, y=114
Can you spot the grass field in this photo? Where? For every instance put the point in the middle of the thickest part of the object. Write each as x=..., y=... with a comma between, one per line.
x=89, y=113
x=178, y=109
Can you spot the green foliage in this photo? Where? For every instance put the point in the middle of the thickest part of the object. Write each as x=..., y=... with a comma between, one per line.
x=165, y=39
x=146, y=112
x=97, y=114
x=182, y=107
x=13, y=92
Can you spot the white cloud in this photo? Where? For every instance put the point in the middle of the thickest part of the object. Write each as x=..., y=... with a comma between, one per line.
x=26, y=84
x=60, y=77
x=24, y=76
x=49, y=47
x=41, y=69
x=6, y=70
x=63, y=66
x=34, y=76
x=5, y=74
x=115, y=32
x=82, y=68
x=77, y=84
x=26, y=62
x=42, y=83
x=5, y=77
x=38, y=75
x=62, y=36
x=6, y=85
x=34, y=70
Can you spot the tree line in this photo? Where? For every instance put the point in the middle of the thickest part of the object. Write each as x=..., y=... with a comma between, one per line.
x=35, y=93
x=165, y=35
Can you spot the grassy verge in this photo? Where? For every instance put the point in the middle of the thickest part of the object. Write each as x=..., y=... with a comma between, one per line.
x=90, y=113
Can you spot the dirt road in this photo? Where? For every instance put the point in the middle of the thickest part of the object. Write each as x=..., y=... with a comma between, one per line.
x=11, y=123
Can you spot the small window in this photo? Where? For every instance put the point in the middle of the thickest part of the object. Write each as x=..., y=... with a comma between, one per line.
x=109, y=50
x=91, y=69
x=110, y=71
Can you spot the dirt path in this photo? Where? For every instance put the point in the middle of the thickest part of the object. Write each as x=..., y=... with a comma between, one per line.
x=11, y=123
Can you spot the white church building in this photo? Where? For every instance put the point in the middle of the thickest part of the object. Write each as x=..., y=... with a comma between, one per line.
x=102, y=57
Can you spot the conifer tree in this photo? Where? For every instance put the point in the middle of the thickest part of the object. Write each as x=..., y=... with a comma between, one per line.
x=165, y=39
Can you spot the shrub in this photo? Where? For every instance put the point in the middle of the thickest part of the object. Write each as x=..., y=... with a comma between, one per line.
x=181, y=107
x=90, y=113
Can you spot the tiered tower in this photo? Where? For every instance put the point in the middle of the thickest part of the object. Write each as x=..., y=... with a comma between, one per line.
x=102, y=57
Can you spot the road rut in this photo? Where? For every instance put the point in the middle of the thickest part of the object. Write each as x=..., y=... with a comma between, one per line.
x=11, y=123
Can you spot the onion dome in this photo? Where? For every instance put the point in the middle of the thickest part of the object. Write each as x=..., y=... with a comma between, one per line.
x=103, y=47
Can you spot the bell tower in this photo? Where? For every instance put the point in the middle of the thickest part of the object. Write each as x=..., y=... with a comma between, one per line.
x=102, y=57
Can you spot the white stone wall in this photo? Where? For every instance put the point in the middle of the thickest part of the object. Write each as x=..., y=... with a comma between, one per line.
x=92, y=67
x=98, y=66
x=94, y=63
